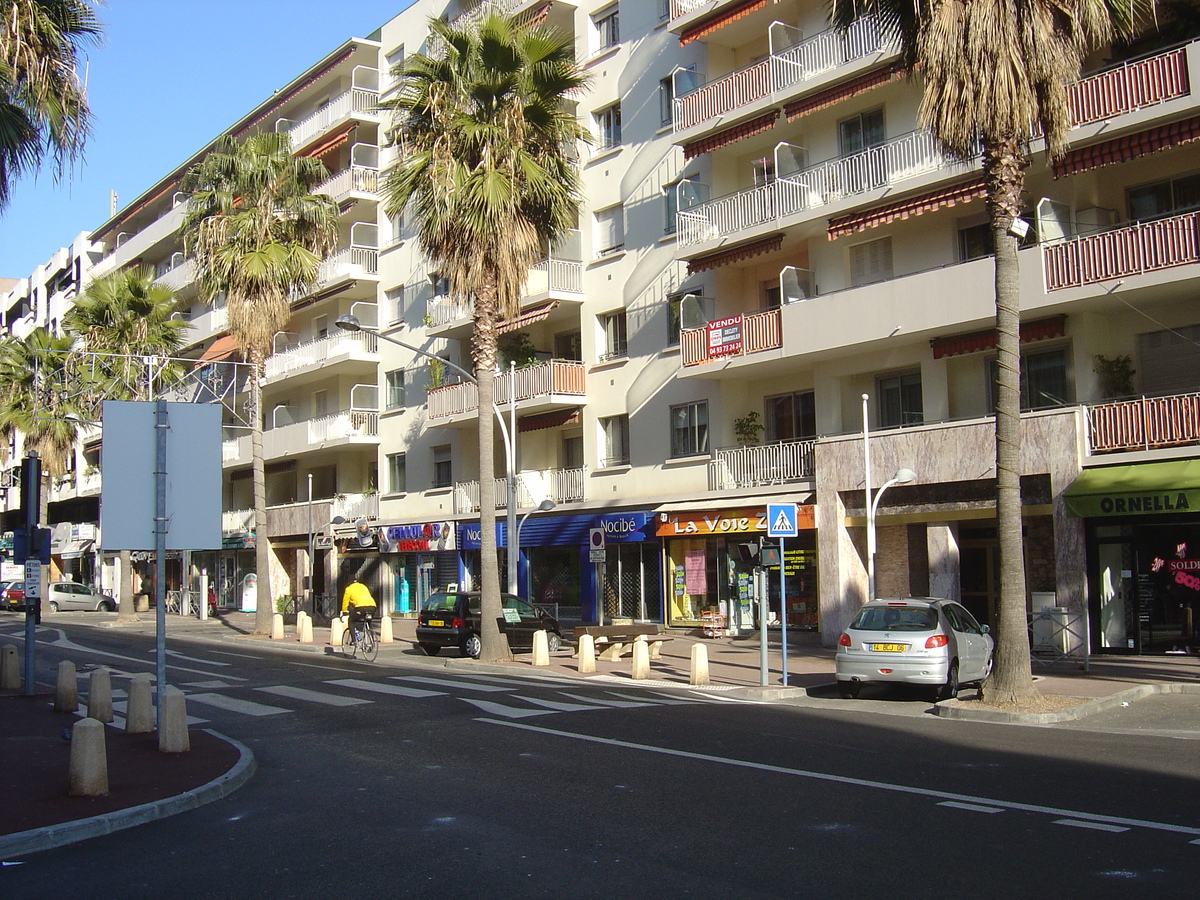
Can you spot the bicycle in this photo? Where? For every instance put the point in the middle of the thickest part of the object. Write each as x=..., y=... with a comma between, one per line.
x=360, y=638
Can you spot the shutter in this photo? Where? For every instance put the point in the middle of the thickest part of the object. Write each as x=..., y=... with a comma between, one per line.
x=1168, y=361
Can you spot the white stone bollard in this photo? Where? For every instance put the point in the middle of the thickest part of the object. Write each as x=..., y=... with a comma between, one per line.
x=587, y=654
x=304, y=628
x=139, y=706
x=385, y=630
x=277, y=627
x=89, y=760
x=641, y=660
x=66, y=689
x=337, y=627
x=173, y=729
x=99, y=705
x=541, y=649
x=10, y=669
x=699, y=672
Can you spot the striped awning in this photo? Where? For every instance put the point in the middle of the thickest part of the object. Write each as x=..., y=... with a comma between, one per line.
x=1039, y=330
x=548, y=420
x=734, y=254
x=531, y=315
x=843, y=91
x=1131, y=146
x=316, y=151
x=720, y=21
x=903, y=209
x=730, y=135
x=222, y=348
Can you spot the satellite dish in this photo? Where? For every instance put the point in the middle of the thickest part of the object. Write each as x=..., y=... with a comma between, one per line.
x=362, y=531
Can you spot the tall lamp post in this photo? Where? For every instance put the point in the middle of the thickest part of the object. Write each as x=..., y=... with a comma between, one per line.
x=545, y=506
x=902, y=476
x=350, y=323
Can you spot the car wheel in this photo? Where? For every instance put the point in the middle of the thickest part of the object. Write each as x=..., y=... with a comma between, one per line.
x=107, y=606
x=849, y=689
x=472, y=646
x=949, y=690
x=430, y=649
x=553, y=642
x=53, y=606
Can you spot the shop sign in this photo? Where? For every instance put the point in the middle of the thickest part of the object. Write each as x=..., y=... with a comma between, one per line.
x=1137, y=504
x=624, y=526
x=422, y=537
x=734, y=521
x=725, y=337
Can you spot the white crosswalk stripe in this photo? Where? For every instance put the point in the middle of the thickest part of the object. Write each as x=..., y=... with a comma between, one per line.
x=509, y=712
x=295, y=693
x=397, y=690
x=233, y=704
x=448, y=683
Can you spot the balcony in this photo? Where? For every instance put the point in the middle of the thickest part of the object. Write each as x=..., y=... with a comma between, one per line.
x=1122, y=252
x=891, y=163
x=760, y=466
x=237, y=521
x=356, y=506
x=1146, y=423
x=179, y=275
x=352, y=180
x=351, y=262
x=544, y=386
x=731, y=337
x=322, y=353
x=1128, y=87
x=533, y=486
x=357, y=102
x=350, y=426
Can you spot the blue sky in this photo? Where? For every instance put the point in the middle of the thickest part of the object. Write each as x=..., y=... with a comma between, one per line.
x=170, y=76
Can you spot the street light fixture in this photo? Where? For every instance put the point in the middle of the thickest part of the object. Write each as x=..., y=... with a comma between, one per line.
x=903, y=476
x=545, y=506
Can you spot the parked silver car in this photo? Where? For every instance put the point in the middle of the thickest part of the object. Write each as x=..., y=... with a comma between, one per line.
x=71, y=595
x=915, y=640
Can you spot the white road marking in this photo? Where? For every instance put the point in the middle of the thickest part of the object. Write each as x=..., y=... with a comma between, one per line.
x=238, y=655
x=395, y=689
x=68, y=644
x=1073, y=815
x=246, y=707
x=499, y=709
x=971, y=807
x=619, y=704
x=562, y=706
x=295, y=693
x=450, y=683
x=324, y=668
x=207, y=685
x=177, y=655
x=1095, y=826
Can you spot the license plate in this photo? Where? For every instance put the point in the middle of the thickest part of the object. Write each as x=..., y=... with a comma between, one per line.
x=889, y=648
x=436, y=623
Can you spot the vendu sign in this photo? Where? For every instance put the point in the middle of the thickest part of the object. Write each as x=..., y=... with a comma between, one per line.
x=725, y=337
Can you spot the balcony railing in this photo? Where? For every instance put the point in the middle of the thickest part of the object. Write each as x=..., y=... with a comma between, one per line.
x=237, y=521
x=759, y=331
x=559, y=485
x=356, y=101
x=362, y=179
x=1129, y=86
x=555, y=377
x=1146, y=423
x=1121, y=252
x=683, y=7
x=179, y=276
x=897, y=160
x=780, y=71
x=550, y=276
x=352, y=261
x=297, y=437
x=313, y=353
x=740, y=467
x=356, y=506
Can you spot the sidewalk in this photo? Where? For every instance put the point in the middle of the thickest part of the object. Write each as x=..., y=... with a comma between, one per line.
x=146, y=785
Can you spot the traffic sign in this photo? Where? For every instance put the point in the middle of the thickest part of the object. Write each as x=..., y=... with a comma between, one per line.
x=33, y=579
x=596, y=545
x=781, y=520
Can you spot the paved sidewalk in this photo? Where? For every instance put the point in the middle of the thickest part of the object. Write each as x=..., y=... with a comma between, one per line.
x=35, y=812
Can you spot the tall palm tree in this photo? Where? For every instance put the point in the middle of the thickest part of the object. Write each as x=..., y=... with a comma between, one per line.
x=39, y=390
x=257, y=233
x=43, y=103
x=486, y=166
x=119, y=320
x=994, y=74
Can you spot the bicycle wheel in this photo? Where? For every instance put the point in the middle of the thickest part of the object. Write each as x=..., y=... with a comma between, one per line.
x=348, y=643
x=369, y=645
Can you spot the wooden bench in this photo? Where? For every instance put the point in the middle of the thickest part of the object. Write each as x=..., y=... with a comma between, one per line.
x=613, y=640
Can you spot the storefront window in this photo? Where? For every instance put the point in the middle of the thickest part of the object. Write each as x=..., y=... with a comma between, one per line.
x=557, y=579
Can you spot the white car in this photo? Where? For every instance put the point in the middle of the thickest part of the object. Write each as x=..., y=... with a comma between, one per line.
x=71, y=595
x=914, y=640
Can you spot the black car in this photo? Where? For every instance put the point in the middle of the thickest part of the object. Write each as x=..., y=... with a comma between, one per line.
x=452, y=619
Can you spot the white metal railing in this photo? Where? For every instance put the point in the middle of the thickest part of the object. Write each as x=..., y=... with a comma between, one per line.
x=297, y=436
x=1144, y=423
x=356, y=101
x=442, y=311
x=355, y=506
x=363, y=179
x=1120, y=252
x=178, y=276
x=897, y=160
x=559, y=485
x=740, y=467
x=237, y=521
x=348, y=261
x=683, y=7
x=555, y=377
x=89, y=483
x=547, y=276
x=1131, y=85
x=231, y=450
x=315, y=352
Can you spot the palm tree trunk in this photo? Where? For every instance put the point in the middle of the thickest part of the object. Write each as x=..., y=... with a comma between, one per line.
x=1012, y=680
x=264, y=608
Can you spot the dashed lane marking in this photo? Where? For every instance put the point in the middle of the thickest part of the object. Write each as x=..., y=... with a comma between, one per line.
x=971, y=807
x=1095, y=826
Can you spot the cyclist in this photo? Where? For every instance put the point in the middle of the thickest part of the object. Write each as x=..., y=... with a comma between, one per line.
x=358, y=601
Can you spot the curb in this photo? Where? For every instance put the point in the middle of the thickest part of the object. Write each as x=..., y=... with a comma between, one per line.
x=952, y=709
x=25, y=842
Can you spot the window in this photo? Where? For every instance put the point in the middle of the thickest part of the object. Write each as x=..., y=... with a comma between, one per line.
x=689, y=429
x=320, y=326
x=394, y=60
x=763, y=171
x=974, y=241
x=569, y=345
x=790, y=417
x=440, y=284
x=860, y=132
x=871, y=262
x=616, y=345
x=674, y=320
x=395, y=389
x=320, y=404
x=606, y=24
x=443, y=475
x=900, y=400
x=610, y=230
x=395, y=304
x=666, y=100
x=571, y=456
x=1164, y=197
x=616, y=441
x=397, y=482
x=397, y=223
x=608, y=128
x=1044, y=380
x=671, y=197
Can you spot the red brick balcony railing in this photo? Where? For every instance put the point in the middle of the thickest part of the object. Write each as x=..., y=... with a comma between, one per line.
x=1129, y=86
x=1145, y=423
x=1121, y=252
x=758, y=331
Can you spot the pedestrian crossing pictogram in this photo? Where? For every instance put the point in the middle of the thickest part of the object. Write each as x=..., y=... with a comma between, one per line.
x=781, y=520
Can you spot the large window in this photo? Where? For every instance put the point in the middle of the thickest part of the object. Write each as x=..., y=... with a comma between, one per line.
x=395, y=304
x=666, y=100
x=608, y=128
x=397, y=478
x=871, y=262
x=395, y=389
x=610, y=230
x=1044, y=380
x=616, y=344
x=860, y=132
x=443, y=474
x=900, y=400
x=689, y=429
x=790, y=417
x=607, y=26
x=1162, y=198
x=616, y=441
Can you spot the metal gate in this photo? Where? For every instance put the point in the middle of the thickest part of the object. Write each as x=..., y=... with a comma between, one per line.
x=631, y=582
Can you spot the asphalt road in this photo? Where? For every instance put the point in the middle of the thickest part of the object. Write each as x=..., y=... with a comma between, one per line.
x=408, y=780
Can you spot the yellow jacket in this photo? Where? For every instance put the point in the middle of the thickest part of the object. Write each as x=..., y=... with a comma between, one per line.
x=356, y=594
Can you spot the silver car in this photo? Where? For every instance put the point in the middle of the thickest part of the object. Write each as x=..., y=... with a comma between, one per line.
x=915, y=640
x=71, y=595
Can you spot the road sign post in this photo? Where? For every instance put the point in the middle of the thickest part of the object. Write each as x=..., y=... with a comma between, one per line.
x=782, y=523
x=596, y=548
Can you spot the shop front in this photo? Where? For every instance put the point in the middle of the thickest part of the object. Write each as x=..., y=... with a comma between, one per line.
x=714, y=571
x=1143, y=550
x=422, y=558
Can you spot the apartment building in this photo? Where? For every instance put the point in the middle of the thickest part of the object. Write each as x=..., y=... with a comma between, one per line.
x=772, y=258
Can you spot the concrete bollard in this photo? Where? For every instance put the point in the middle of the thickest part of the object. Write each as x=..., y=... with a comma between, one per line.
x=173, y=729
x=10, y=669
x=641, y=660
x=699, y=672
x=66, y=689
x=385, y=631
x=337, y=625
x=89, y=760
x=587, y=654
x=99, y=705
x=304, y=629
x=277, y=627
x=541, y=649
x=139, y=707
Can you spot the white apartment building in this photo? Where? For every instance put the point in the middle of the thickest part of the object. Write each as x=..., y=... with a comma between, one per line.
x=766, y=237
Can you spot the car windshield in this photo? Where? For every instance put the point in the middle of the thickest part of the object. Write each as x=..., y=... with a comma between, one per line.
x=893, y=618
x=441, y=603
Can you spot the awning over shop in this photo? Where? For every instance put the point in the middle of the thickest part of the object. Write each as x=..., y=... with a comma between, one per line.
x=1146, y=489
x=76, y=549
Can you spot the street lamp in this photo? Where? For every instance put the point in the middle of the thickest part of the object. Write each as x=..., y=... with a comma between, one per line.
x=902, y=476
x=515, y=546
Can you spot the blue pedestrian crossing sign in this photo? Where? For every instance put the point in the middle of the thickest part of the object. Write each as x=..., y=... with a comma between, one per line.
x=781, y=520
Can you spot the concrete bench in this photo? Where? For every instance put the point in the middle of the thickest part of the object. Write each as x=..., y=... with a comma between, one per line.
x=613, y=640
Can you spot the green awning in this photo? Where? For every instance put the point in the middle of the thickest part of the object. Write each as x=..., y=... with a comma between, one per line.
x=1147, y=489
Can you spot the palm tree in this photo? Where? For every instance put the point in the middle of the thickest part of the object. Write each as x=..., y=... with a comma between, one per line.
x=487, y=144
x=994, y=74
x=119, y=320
x=257, y=233
x=39, y=390
x=43, y=104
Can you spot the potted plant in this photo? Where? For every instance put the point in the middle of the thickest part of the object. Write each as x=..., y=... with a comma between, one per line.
x=748, y=429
